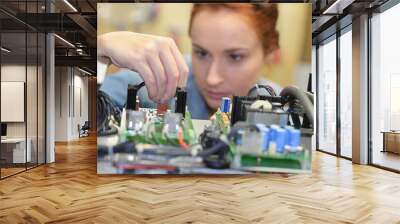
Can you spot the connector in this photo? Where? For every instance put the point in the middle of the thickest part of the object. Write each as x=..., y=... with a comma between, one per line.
x=180, y=105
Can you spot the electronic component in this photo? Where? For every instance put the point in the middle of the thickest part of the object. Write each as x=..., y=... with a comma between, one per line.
x=254, y=134
x=225, y=105
x=135, y=121
x=268, y=118
x=261, y=90
x=161, y=109
x=172, y=124
x=180, y=102
x=215, y=150
x=107, y=113
x=269, y=109
x=131, y=102
x=137, y=103
x=125, y=147
x=262, y=105
x=269, y=139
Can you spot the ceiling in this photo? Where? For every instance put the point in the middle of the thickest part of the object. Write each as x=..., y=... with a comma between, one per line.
x=22, y=20
x=76, y=22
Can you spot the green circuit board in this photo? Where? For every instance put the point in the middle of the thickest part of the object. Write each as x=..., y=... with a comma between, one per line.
x=153, y=133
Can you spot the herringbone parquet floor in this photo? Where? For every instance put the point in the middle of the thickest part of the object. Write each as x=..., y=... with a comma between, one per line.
x=70, y=191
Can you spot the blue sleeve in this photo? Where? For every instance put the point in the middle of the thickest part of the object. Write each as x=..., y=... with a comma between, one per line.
x=116, y=86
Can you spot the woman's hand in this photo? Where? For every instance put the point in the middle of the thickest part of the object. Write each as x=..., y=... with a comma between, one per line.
x=156, y=59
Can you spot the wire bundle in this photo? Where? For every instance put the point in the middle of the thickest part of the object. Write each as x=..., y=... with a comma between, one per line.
x=106, y=109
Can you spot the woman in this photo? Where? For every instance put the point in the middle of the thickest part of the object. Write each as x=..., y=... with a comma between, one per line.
x=231, y=43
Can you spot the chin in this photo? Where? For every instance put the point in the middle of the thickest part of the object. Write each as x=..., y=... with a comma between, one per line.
x=213, y=104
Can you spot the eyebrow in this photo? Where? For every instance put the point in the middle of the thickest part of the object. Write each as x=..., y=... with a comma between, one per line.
x=236, y=49
x=198, y=46
x=228, y=50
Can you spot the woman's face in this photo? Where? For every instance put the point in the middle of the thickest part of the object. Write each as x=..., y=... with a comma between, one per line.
x=227, y=55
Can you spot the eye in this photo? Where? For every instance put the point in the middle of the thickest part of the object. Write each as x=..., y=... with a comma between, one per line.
x=201, y=53
x=236, y=57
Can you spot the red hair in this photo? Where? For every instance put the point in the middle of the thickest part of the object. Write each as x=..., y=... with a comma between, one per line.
x=262, y=17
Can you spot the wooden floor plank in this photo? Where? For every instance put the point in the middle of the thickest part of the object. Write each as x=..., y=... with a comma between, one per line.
x=70, y=191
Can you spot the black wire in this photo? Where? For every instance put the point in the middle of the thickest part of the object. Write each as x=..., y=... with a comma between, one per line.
x=140, y=85
x=269, y=89
x=105, y=108
x=212, y=150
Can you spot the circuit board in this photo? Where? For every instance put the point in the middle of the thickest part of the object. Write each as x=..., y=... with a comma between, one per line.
x=251, y=136
x=154, y=132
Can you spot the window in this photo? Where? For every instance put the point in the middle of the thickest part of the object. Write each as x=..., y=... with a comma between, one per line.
x=327, y=96
x=346, y=94
x=385, y=88
x=22, y=75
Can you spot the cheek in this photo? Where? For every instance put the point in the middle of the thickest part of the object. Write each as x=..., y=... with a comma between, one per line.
x=199, y=72
x=244, y=76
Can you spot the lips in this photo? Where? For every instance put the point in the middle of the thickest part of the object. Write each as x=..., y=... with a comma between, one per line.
x=217, y=95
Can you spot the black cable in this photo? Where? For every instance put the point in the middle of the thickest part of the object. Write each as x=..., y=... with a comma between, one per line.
x=105, y=109
x=292, y=92
x=212, y=150
x=140, y=85
x=269, y=89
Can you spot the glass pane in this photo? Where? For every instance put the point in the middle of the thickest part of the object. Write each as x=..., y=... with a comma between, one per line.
x=13, y=85
x=31, y=97
x=346, y=94
x=327, y=97
x=41, y=99
x=313, y=89
x=385, y=85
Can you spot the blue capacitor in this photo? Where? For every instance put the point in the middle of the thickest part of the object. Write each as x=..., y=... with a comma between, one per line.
x=295, y=137
x=280, y=140
x=225, y=105
x=289, y=127
x=265, y=138
x=272, y=133
x=240, y=137
x=287, y=135
x=265, y=132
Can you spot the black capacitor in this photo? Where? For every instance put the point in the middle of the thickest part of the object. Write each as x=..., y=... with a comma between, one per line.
x=235, y=110
x=238, y=112
x=180, y=104
x=131, y=98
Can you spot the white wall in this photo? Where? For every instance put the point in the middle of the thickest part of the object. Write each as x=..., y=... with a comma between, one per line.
x=61, y=103
x=12, y=73
x=33, y=127
x=71, y=93
x=81, y=94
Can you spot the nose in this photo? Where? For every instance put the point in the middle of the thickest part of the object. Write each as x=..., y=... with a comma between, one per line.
x=214, y=77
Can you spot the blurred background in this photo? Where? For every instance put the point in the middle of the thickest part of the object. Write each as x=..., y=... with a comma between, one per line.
x=170, y=19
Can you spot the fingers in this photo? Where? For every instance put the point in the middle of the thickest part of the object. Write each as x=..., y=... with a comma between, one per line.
x=172, y=73
x=182, y=66
x=159, y=63
x=149, y=79
x=158, y=71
